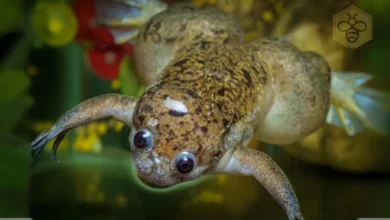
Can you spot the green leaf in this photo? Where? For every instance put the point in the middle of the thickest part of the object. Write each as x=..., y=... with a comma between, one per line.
x=130, y=84
x=12, y=15
x=378, y=7
x=19, y=53
x=15, y=180
x=12, y=112
x=13, y=83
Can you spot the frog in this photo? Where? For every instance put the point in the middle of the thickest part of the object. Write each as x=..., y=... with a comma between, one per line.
x=210, y=92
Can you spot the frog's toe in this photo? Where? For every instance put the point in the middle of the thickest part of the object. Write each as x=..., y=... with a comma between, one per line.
x=124, y=18
x=43, y=138
x=296, y=216
x=39, y=143
x=122, y=36
x=134, y=3
x=127, y=13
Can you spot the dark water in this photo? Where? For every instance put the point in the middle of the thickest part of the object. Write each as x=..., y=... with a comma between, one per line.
x=105, y=188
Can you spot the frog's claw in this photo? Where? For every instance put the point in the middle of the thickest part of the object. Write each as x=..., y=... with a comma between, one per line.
x=57, y=142
x=117, y=106
x=296, y=216
x=355, y=107
x=135, y=3
x=124, y=18
x=247, y=161
x=38, y=144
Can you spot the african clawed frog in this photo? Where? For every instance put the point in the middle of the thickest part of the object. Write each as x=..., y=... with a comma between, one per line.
x=209, y=94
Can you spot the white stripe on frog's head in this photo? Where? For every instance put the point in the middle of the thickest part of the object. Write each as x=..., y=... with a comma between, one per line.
x=175, y=105
x=152, y=122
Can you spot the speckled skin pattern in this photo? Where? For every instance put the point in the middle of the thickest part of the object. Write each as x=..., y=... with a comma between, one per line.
x=200, y=82
x=211, y=74
x=224, y=81
x=209, y=94
x=167, y=32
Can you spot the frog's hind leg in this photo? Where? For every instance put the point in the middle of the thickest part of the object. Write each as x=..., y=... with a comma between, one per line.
x=127, y=13
x=124, y=18
x=357, y=108
x=300, y=83
x=117, y=106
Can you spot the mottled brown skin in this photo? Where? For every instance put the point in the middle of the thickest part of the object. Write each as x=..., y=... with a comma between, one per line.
x=176, y=132
x=224, y=92
x=180, y=24
x=198, y=79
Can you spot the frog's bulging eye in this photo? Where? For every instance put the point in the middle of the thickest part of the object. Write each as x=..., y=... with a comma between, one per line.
x=185, y=162
x=142, y=139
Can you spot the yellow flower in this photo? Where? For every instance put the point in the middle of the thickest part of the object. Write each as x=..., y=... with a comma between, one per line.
x=115, y=84
x=87, y=142
x=268, y=16
x=92, y=127
x=80, y=131
x=121, y=200
x=55, y=23
x=63, y=145
x=250, y=35
x=102, y=128
x=204, y=2
x=208, y=197
x=118, y=126
x=93, y=194
x=42, y=126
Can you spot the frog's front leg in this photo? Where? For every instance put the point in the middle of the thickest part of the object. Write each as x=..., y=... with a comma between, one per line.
x=117, y=106
x=247, y=161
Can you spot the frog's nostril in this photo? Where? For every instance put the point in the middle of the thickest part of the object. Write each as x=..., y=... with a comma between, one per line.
x=144, y=167
x=160, y=172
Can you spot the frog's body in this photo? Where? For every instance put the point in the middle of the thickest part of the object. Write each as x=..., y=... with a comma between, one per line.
x=209, y=93
x=188, y=51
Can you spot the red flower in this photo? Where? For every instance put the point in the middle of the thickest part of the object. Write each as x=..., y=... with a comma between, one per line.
x=104, y=56
x=105, y=59
x=88, y=29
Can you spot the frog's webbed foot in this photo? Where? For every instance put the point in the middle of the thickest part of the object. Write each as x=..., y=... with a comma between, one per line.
x=117, y=106
x=124, y=18
x=247, y=161
x=127, y=13
x=355, y=107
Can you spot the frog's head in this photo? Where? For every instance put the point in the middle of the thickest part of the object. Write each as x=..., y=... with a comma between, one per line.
x=175, y=137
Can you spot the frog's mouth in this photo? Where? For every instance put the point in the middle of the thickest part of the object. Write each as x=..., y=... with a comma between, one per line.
x=144, y=181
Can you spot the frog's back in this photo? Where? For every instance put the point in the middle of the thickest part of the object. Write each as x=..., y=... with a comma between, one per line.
x=224, y=75
x=177, y=27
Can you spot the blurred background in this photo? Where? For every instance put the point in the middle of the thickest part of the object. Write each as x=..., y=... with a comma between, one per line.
x=56, y=53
